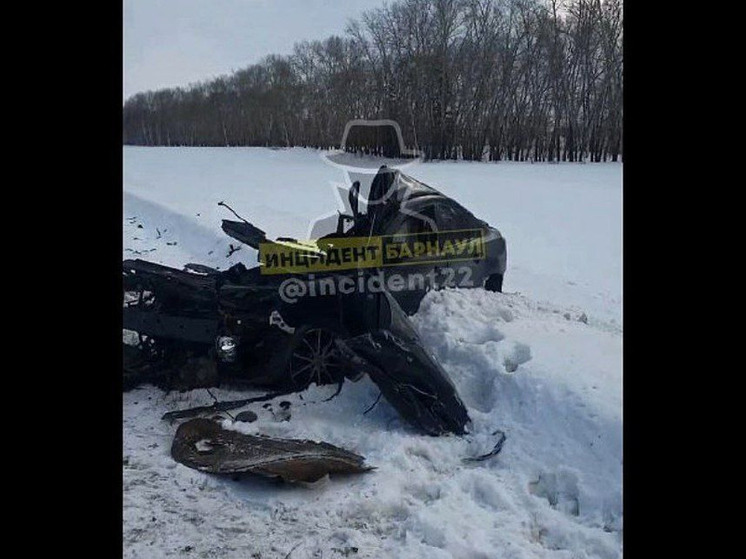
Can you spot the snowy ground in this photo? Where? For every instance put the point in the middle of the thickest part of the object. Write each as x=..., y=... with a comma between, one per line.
x=555, y=489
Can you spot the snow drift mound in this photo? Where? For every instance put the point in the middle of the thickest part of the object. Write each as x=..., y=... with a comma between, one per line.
x=551, y=378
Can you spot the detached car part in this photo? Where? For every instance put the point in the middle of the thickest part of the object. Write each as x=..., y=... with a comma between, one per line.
x=204, y=445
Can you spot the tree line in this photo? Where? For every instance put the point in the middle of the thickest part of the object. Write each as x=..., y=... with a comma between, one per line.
x=537, y=80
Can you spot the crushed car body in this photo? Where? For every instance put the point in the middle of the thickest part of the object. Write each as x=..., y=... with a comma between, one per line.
x=398, y=204
x=200, y=327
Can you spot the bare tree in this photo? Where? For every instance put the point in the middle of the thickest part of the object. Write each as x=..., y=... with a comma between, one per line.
x=537, y=80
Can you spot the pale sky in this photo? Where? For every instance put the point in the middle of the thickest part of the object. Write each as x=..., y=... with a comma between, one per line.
x=175, y=42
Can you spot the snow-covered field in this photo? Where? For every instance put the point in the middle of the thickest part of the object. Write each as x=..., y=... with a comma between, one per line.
x=554, y=490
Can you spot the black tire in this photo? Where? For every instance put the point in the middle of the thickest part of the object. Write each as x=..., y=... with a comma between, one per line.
x=494, y=283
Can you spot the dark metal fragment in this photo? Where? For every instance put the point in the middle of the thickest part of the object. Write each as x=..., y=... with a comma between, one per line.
x=247, y=416
x=206, y=446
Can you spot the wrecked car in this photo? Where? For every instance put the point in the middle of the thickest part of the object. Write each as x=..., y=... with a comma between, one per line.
x=398, y=204
x=201, y=327
x=199, y=330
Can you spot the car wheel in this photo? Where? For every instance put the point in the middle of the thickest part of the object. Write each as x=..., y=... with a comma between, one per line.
x=315, y=358
x=494, y=283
